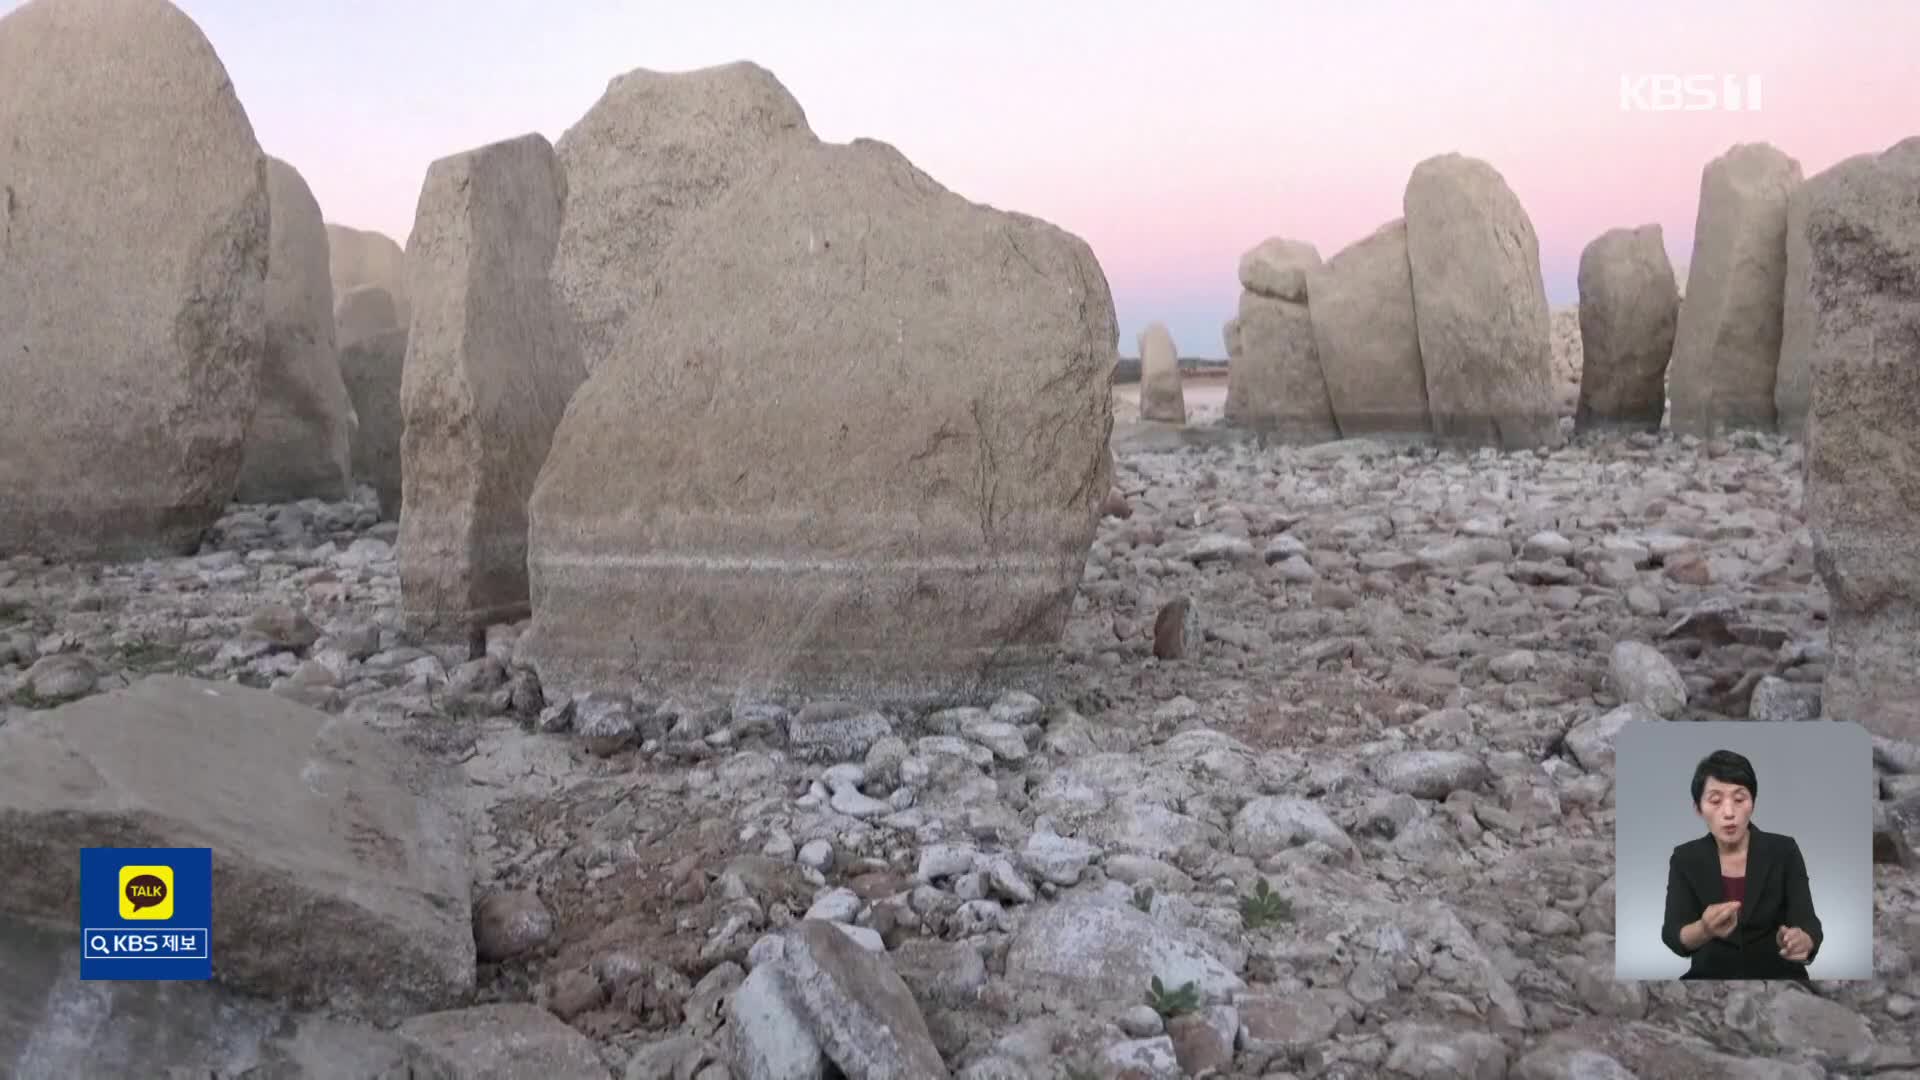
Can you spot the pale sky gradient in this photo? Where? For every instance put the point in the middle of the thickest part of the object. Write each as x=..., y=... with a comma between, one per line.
x=1172, y=137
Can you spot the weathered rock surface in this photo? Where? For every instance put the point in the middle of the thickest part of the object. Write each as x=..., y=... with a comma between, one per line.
x=1726, y=346
x=133, y=285
x=1480, y=306
x=862, y=1013
x=1274, y=383
x=373, y=356
x=491, y=363
x=893, y=502
x=1793, y=380
x=1629, y=307
x=1863, y=447
x=655, y=150
x=53, y=1025
x=1161, y=398
x=341, y=878
x=362, y=312
x=1409, y=648
x=365, y=257
x=1366, y=337
x=300, y=442
x=503, y=1042
x=1277, y=267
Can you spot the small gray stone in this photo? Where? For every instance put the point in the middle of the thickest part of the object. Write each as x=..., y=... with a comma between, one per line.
x=509, y=924
x=1775, y=700
x=1641, y=673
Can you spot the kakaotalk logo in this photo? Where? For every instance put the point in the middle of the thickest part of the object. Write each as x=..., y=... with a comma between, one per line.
x=1690, y=93
x=146, y=892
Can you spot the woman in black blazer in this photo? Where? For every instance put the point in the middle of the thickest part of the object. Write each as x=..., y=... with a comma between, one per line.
x=1738, y=904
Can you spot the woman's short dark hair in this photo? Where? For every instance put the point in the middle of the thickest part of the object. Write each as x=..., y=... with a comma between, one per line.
x=1728, y=768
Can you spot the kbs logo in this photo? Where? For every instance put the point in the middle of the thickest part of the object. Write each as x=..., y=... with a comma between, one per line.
x=1689, y=93
x=146, y=913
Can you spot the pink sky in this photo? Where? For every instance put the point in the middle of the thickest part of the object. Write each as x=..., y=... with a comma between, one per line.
x=1171, y=137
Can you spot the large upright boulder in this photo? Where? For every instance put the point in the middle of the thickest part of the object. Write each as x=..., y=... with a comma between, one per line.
x=1863, y=446
x=1480, y=307
x=653, y=151
x=1726, y=347
x=1793, y=380
x=340, y=872
x=1274, y=384
x=853, y=443
x=491, y=361
x=300, y=444
x=133, y=267
x=1629, y=306
x=1361, y=305
x=1162, y=398
x=373, y=355
x=365, y=257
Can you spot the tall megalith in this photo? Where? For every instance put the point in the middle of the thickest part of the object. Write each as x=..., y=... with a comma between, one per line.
x=300, y=444
x=1862, y=444
x=491, y=362
x=133, y=267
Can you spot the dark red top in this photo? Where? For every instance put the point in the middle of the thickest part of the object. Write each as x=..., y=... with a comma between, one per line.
x=1735, y=887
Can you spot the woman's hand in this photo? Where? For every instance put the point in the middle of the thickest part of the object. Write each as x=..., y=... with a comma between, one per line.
x=1795, y=944
x=1720, y=919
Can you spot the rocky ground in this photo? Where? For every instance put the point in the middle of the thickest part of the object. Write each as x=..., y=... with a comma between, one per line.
x=1358, y=793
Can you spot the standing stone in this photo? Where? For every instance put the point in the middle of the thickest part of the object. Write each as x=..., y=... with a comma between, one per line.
x=1726, y=348
x=1364, y=329
x=853, y=444
x=1793, y=382
x=132, y=280
x=373, y=354
x=1161, y=396
x=300, y=445
x=363, y=312
x=1629, y=306
x=656, y=149
x=364, y=257
x=490, y=365
x=1863, y=446
x=1480, y=306
x=1276, y=386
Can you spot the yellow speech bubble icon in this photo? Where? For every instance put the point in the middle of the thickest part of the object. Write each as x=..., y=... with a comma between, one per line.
x=146, y=892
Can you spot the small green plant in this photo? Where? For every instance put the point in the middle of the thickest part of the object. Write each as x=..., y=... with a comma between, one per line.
x=1172, y=1003
x=1264, y=907
x=1143, y=898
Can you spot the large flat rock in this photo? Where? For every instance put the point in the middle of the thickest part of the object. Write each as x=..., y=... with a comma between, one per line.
x=340, y=876
x=54, y=1026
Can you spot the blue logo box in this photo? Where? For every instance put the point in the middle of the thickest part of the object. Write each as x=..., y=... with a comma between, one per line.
x=146, y=913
